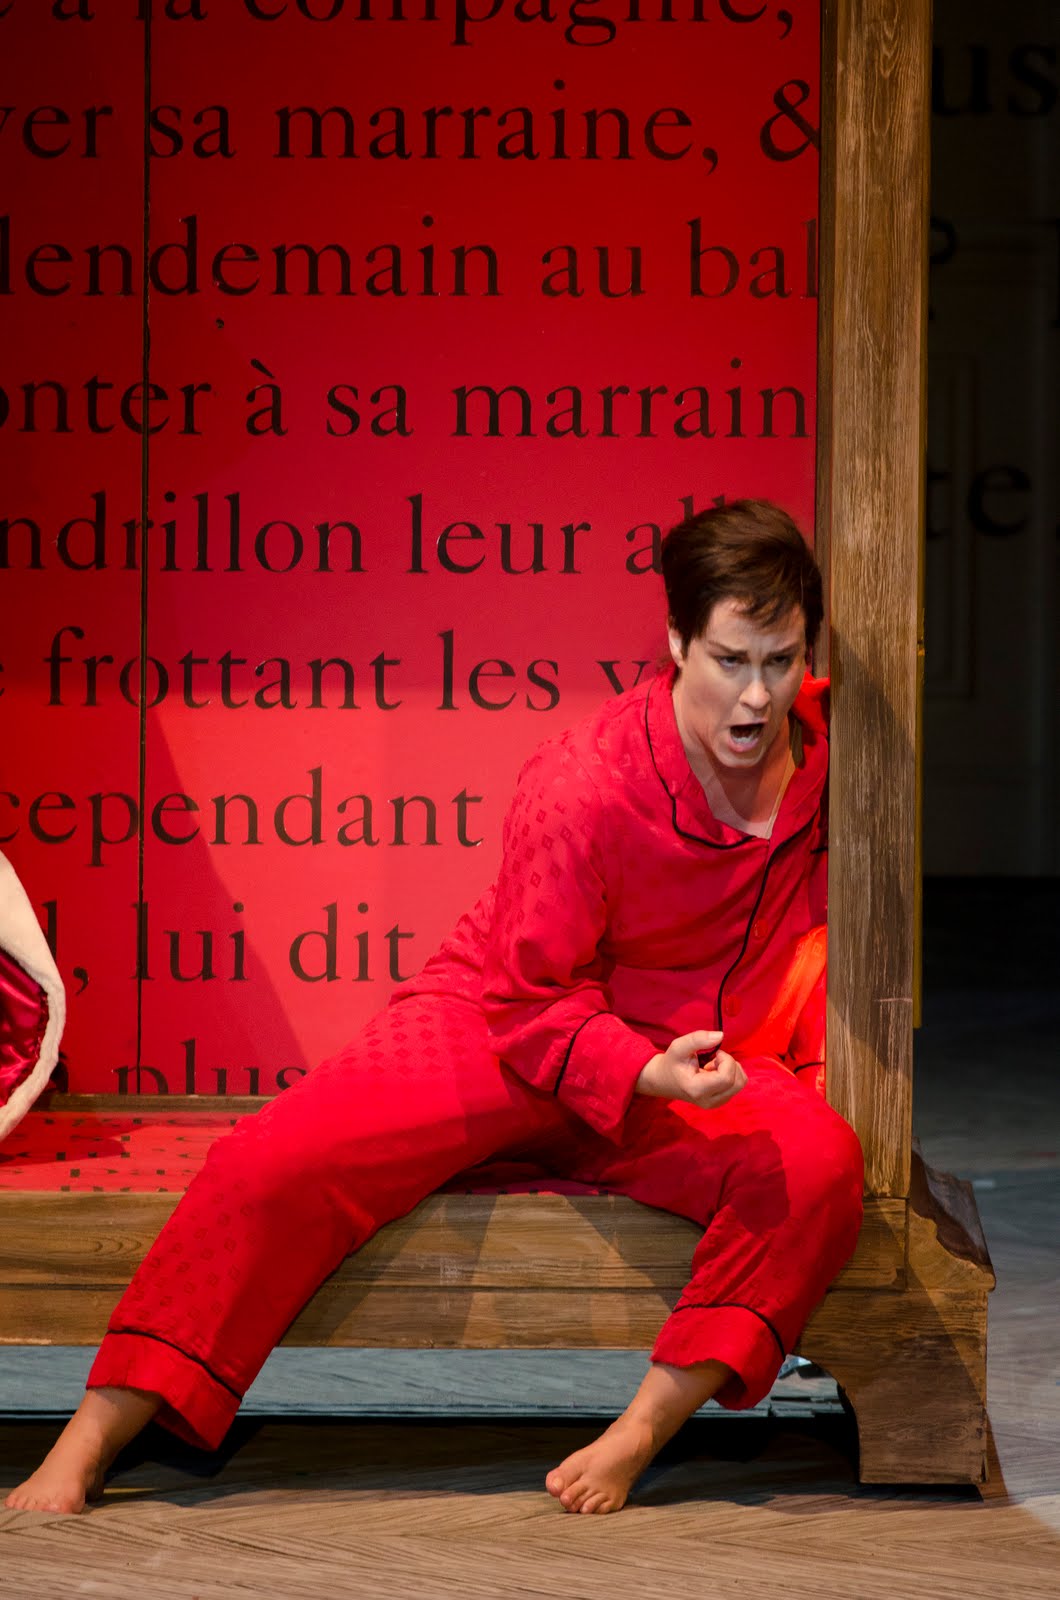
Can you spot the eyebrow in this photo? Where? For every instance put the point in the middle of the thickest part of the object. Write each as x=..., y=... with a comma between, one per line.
x=792, y=647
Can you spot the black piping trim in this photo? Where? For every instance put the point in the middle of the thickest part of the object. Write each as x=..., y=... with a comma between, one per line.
x=738, y=1305
x=695, y=838
x=138, y=1333
x=570, y=1047
x=807, y=1064
x=698, y=839
x=754, y=911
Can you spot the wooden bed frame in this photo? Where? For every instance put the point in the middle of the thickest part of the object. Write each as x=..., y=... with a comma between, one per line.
x=903, y=1330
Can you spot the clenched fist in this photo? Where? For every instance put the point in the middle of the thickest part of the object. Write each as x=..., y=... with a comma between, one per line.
x=677, y=1075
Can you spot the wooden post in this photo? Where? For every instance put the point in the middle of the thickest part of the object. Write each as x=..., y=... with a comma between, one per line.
x=874, y=231
x=916, y=1351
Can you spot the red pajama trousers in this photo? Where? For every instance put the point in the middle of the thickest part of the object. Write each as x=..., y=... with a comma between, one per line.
x=774, y=1177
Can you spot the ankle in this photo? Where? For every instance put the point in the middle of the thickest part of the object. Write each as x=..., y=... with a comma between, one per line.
x=669, y=1395
x=107, y=1419
x=654, y=1425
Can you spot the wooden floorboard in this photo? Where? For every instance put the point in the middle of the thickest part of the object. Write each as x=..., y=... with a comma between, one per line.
x=428, y=1512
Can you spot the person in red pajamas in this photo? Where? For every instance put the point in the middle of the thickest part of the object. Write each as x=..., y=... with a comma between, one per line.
x=637, y=1002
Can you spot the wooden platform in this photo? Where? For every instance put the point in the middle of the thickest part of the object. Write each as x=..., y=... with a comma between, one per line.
x=559, y=1265
x=537, y=1270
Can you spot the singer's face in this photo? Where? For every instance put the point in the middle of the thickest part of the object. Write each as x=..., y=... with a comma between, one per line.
x=736, y=684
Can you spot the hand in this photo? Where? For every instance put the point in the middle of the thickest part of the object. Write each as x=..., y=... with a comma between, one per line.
x=677, y=1075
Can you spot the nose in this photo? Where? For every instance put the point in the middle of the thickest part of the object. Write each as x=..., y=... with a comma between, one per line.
x=756, y=694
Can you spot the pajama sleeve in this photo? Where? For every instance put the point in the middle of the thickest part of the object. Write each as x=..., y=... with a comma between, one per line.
x=545, y=995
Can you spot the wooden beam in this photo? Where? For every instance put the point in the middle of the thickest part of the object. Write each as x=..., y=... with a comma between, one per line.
x=530, y=1271
x=223, y=1106
x=874, y=228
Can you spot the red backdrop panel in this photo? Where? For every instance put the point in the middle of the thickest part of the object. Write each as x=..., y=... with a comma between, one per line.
x=72, y=151
x=332, y=738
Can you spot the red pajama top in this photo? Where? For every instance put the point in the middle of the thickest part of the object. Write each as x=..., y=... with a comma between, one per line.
x=625, y=914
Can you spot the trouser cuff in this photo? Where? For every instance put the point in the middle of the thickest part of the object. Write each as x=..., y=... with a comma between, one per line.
x=197, y=1405
x=743, y=1339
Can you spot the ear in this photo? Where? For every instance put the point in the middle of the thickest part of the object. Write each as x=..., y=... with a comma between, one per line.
x=677, y=649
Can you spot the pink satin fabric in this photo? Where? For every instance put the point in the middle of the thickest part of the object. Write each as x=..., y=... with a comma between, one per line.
x=23, y=1019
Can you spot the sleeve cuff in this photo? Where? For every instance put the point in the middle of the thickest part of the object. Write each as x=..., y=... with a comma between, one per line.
x=597, y=1080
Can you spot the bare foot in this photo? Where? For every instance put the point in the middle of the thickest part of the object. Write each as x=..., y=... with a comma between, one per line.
x=599, y=1478
x=64, y=1481
x=72, y=1471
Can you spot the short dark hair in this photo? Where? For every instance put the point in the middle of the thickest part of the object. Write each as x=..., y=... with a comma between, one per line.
x=749, y=551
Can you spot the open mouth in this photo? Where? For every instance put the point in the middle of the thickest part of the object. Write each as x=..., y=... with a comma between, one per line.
x=745, y=735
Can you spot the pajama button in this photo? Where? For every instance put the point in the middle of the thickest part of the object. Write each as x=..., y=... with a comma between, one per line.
x=731, y=1007
x=758, y=931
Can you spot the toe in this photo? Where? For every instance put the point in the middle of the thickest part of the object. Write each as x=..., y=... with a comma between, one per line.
x=592, y=1503
x=573, y=1495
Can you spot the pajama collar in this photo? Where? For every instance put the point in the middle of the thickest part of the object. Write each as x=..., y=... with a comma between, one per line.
x=692, y=816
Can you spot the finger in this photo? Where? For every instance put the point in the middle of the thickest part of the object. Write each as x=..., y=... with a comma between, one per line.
x=700, y=1047
x=727, y=1064
x=713, y=1088
x=731, y=1082
x=704, y=1089
x=701, y=1039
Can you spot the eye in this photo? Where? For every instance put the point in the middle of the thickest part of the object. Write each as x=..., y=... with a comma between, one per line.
x=728, y=662
x=783, y=662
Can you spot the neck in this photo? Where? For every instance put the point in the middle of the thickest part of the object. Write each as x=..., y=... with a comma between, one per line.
x=739, y=797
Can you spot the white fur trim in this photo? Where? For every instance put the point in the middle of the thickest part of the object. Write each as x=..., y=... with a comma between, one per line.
x=22, y=938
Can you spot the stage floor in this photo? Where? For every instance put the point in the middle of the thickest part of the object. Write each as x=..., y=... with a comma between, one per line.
x=449, y=1504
